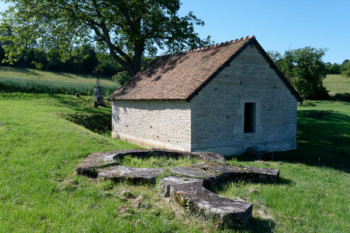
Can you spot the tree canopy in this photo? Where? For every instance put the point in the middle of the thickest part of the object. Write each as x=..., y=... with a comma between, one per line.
x=127, y=29
x=345, y=68
x=304, y=69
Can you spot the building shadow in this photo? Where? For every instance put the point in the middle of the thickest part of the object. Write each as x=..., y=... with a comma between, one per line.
x=323, y=140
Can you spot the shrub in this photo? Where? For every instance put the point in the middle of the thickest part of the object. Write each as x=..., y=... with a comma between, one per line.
x=346, y=73
x=121, y=77
x=308, y=103
x=342, y=96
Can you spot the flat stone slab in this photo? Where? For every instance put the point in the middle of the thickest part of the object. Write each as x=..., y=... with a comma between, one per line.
x=191, y=172
x=221, y=171
x=118, y=173
x=210, y=157
x=103, y=159
x=204, y=204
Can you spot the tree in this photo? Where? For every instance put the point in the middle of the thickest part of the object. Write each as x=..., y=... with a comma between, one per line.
x=334, y=68
x=345, y=67
x=125, y=28
x=305, y=70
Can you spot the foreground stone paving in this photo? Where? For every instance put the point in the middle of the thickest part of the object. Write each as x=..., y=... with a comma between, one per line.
x=187, y=186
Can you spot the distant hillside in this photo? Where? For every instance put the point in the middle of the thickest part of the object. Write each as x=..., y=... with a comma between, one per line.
x=33, y=81
x=337, y=84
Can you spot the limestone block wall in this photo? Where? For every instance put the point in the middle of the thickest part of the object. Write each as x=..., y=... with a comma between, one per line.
x=217, y=112
x=153, y=123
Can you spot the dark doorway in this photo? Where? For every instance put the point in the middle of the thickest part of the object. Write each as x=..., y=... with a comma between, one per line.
x=249, y=117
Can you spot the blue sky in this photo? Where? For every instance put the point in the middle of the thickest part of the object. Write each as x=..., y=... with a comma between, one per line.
x=277, y=24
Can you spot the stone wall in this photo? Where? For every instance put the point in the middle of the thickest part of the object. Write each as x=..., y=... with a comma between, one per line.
x=161, y=124
x=217, y=112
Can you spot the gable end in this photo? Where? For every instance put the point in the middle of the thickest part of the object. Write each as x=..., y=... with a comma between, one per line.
x=266, y=57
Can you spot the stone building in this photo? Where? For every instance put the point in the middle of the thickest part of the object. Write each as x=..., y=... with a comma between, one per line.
x=224, y=98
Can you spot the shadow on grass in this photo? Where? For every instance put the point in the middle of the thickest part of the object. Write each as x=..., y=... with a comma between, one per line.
x=342, y=97
x=323, y=140
x=258, y=225
x=98, y=120
x=81, y=104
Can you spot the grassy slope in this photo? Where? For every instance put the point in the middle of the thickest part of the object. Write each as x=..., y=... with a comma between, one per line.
x=337, y=83
x=41, y=192
x=17, y=79
x=39, y=188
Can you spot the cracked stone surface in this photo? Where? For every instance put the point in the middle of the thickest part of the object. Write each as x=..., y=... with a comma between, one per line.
x=118, y=173
x=186, y=185
x=191, y=172
x=205, y=204
x=103, y=159
x=238, y=172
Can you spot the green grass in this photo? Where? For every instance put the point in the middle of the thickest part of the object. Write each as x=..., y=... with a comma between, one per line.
x=336, y=83
x=314, y=193
x=43, y=137
x=23, y=80
x=40, y=191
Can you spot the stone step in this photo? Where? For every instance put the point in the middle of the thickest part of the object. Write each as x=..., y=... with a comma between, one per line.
x=119, y=173
x=204, y=204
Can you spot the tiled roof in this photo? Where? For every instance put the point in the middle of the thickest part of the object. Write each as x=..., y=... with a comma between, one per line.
x=182, y=75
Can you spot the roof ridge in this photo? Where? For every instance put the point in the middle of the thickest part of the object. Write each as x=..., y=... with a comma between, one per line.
x=208, y=46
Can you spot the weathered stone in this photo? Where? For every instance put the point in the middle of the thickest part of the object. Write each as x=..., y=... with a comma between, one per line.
x=207, y=156
x=202, y=203
x=102, y=159
x=233, y=172
x=188, y=188
x=108, y=158
x=118, y=173
x=190, y=172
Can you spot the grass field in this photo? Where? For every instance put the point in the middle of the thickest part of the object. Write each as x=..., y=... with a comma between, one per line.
x=337, y=83
x=44, y=136
x=25, y=80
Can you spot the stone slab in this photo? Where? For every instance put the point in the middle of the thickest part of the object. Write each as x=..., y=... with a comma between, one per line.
x=191, y=172
x=207, y=156
x=239, y=172
x=204, y=204
x=103, y=159
x=118, y=173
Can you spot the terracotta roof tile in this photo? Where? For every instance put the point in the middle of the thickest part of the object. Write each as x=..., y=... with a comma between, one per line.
x=180, y=76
